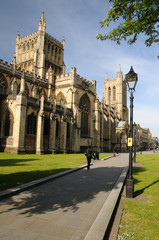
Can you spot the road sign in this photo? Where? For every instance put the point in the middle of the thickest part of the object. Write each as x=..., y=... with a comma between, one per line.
x=129, y=142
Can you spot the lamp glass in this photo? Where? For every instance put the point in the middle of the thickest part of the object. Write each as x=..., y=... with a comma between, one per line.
x=131, y=79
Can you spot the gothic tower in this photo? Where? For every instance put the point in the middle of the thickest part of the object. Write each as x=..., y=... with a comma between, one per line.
x=39, y=52
x=115, y=95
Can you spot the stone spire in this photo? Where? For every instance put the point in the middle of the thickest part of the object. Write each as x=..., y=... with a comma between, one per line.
x=119, y=69
x=42, y=17
x=18, y=36
x=119, y=75
x=63, y=42
x=40, y=58
x=42, y=23
x=106, y=78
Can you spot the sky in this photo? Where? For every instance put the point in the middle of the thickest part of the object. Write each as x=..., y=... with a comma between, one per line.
x=79, y=22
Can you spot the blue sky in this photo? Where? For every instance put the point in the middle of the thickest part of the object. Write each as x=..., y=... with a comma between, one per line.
x=78, y=21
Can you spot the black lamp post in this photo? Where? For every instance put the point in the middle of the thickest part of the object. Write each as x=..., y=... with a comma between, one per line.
x=131, y=80
x=134, y=159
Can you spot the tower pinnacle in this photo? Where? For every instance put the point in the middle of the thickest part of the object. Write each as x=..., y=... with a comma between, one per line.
x=119, y=75
x=18, y=36
x=42, y=23
x=63, y=42
x=119, y=69
x=106, y=77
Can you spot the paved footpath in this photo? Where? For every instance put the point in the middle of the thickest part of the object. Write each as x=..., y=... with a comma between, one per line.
x=66, y=208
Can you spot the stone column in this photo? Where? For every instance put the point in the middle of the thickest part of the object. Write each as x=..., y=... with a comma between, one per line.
x=101, y=130
x=97, y=125
x=75, y=136
x=20, y=119
x=19, y=124
x=110, y=130
x=52, y=137
x=63, y=135
x=71, y=130
x=40, y=128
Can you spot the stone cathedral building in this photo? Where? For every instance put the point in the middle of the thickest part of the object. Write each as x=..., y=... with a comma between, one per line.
x=45, y=110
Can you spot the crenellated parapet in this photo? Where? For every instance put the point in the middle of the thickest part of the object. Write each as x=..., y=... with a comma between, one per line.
x=54, y=40
x=76, y=80
x=13, y=71
x=27, y=38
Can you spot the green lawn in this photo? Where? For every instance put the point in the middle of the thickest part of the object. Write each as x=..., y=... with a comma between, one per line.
x=140, y=218
x=19, y=169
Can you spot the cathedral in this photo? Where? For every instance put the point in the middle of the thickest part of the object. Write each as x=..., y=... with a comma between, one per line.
x=43, y=109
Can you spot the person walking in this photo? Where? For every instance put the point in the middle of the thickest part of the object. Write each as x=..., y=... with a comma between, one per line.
x=88, y=154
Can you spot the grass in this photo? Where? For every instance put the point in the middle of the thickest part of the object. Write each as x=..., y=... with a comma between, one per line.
x=19, y=169
x=140, y=219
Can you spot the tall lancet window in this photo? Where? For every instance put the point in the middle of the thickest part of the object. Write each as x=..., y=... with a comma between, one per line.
x=109, y=94
x=8, y=124
x=2, y=86
x=31, y=124
x=46, y=126
x=84, y=106
x=114, y=93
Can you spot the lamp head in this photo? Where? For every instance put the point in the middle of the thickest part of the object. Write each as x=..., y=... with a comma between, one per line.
x=131, y=79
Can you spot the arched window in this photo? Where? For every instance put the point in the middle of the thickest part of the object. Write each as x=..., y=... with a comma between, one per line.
x=52, y=50
x=8, y=126
x=32, y=45
x=59, y=55
x=57, y=128
x=31, y=124
x=46, y=126
x=48, y=47
x=20, y=50
x=84, y=106
x=23, y=48
x=109, y=94
x=68, y=130
x=114, y=93
x=18, y=88
x=55, y=52
x=2, y=86
x=60, y=99
x=28, y=47
x=68, y=135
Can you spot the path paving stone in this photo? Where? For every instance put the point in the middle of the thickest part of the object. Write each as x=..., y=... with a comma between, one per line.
x=61, y=209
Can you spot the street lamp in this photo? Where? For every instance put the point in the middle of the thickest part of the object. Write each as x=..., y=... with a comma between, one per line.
x=134, y=158
x=131, y=79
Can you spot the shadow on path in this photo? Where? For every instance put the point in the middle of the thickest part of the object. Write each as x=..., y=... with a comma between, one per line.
x=65, y=192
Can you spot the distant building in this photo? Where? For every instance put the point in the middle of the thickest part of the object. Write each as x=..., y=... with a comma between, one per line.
x=154, y=143
x=143, y=138
x=115, y=100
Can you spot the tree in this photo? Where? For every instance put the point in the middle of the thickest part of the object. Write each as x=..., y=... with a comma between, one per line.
x=134, y=17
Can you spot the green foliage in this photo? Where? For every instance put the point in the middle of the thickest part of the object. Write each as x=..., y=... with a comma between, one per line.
x=134, y=17
x=19, y=169
x=141, y=214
